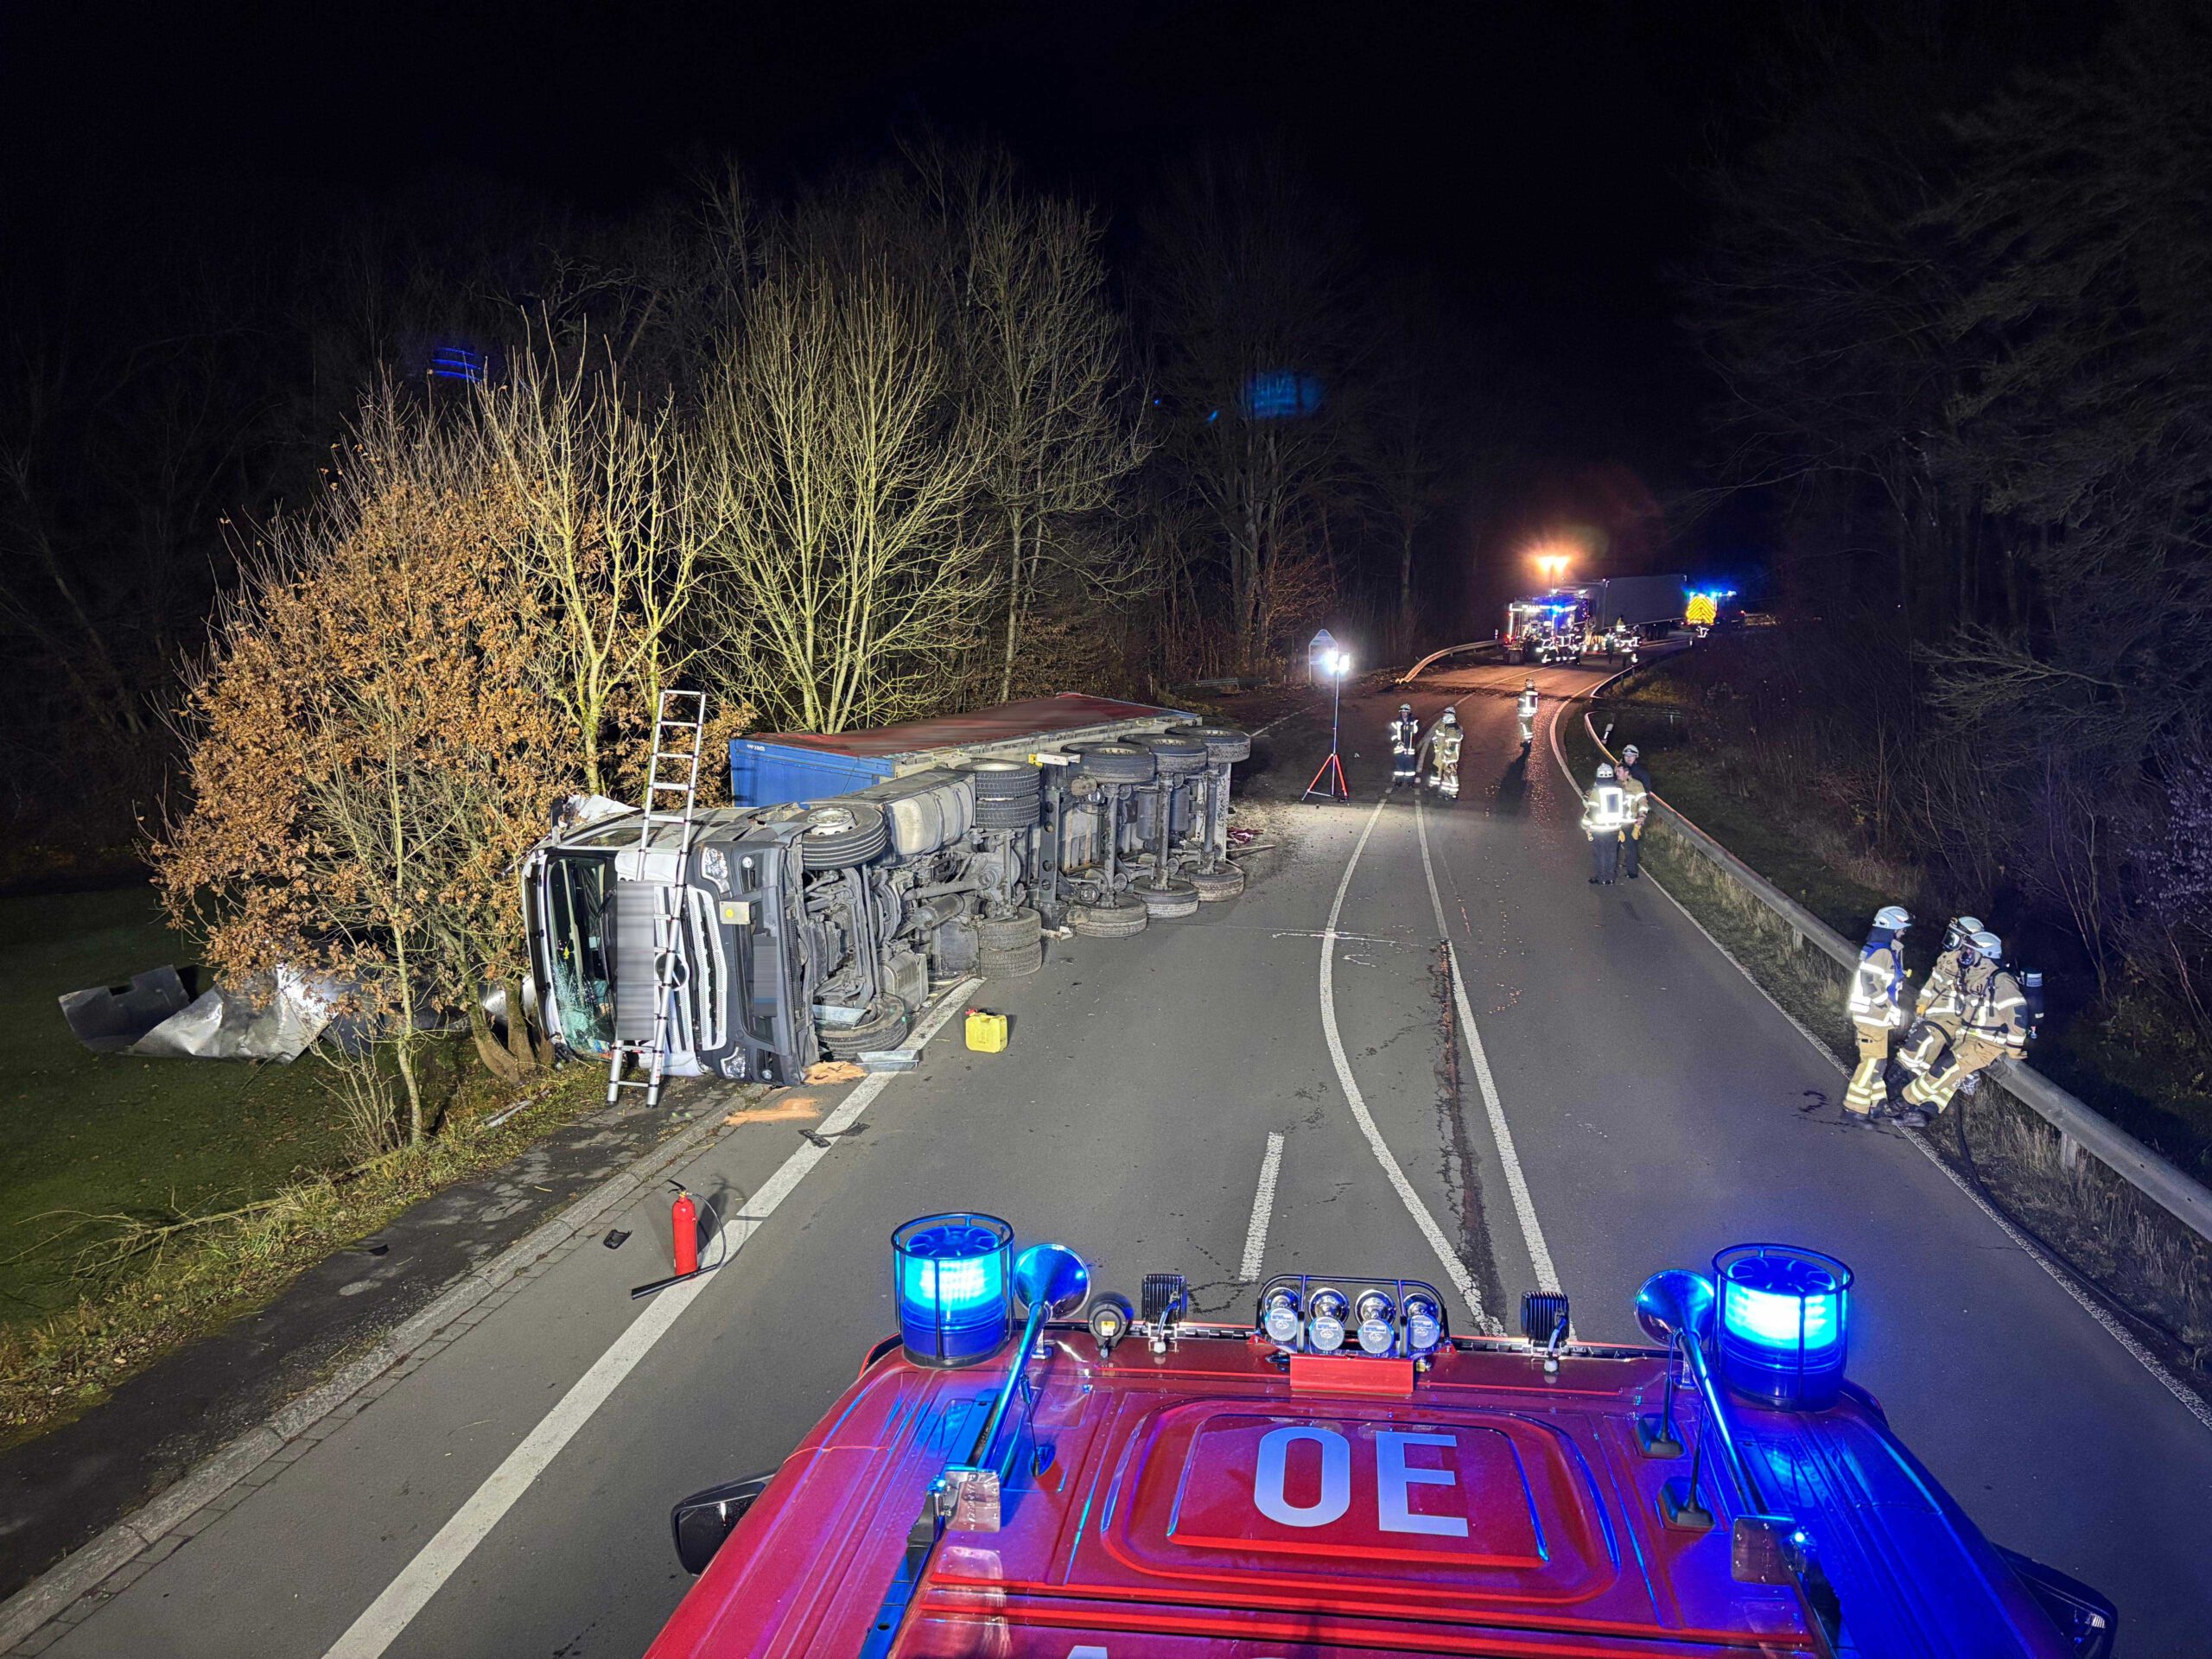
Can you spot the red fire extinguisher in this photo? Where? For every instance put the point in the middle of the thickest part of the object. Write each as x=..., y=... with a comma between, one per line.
x=683, y=1223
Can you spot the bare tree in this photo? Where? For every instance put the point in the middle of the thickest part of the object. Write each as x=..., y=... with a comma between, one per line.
x=1055, y=408
x=1253, y=310
x=612, y=539
x=839, y=468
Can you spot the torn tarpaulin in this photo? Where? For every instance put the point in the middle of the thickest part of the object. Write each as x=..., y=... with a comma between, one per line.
x=272, y=1017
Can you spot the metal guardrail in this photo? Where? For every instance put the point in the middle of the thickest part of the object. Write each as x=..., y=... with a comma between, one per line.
x=1411, y=674
x=2079, y=1126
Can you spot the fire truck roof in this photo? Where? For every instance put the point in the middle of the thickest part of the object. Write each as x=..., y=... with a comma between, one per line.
x=1216, y=1498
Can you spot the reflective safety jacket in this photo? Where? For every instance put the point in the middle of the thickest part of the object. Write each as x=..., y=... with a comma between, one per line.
x=1604, y=811
x=1404, y=734
x=1999, y=1016
x=1527, y=705
x=1938, y=992
x=1446, y=741
x=1877, y=986
x=1637, y=800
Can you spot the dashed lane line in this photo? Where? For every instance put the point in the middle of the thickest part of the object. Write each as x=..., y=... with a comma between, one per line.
x=391, y=1613
x=1263, y=1205
x=1454, y=1269
x=1516, y=1183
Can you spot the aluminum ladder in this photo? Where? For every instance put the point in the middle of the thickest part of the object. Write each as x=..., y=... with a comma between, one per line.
x=660, y=869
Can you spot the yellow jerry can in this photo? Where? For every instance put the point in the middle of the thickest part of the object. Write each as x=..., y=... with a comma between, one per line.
x=986, y=1031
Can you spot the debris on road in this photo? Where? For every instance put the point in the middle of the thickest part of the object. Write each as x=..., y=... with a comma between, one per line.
x=834, y=1072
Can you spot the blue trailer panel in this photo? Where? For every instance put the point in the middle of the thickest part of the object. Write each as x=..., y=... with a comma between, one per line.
x=763, y=773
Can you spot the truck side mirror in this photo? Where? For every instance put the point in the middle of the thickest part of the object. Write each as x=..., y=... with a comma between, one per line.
x=703, y=1521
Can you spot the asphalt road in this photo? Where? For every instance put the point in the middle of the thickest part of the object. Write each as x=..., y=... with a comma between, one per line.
x=1658, y=1106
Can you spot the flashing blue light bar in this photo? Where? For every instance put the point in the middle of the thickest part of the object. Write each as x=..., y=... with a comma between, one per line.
x=1784, y=1324
x=949, y=1275
x=459, y=363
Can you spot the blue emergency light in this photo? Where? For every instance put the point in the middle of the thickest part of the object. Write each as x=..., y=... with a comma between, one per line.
x=1784, y=1324
x=950, y=1273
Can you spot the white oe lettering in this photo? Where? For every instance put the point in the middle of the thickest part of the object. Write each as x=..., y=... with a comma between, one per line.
x=1393, y=1478
x=1336, y=1476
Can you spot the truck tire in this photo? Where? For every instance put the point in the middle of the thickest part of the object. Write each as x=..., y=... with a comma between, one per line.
x=992, y=813
x=1011, y=963
x=885, y=1026
x=1175, y=757
x=1108, y=921
x=1214, y=886
x=1005, y=780
x=1007, y=932
x=1223, y=743
x=1176, y=896
x=1117, y=763
x=842, y=833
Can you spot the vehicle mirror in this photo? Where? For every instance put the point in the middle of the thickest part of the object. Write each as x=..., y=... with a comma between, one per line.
x=703, y=1521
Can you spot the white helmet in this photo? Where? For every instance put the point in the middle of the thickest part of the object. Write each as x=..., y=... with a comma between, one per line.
x=1405, y=707
x=1605, y=770
x=1629, y=751
x=1893, y=917
x=1964, y=927
x=1987, y=943
x=1448, y=718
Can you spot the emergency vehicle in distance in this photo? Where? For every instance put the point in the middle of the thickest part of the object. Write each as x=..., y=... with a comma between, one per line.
x=1567, y=624
x=1345, y=1476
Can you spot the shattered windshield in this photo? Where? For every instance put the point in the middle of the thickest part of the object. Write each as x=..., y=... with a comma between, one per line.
x=579, y=926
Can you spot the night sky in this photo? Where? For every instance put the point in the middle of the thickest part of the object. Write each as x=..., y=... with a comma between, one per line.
x=1529, y=164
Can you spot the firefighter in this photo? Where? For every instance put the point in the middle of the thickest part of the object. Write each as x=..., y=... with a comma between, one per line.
x=1635, y=801
x=1604, y=815
x=1995, y=1024
x=1444, y=742
x=1405, y=745
x=1527, y=709
x=1877, y=1010
x=1937, y=1011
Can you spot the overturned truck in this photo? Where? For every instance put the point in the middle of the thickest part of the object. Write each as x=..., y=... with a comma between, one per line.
x=856, y=872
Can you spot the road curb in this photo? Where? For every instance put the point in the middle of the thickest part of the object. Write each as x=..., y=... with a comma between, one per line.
x=81, y=1573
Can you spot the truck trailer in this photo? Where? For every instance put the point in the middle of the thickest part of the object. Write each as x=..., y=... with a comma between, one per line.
x=857, y=871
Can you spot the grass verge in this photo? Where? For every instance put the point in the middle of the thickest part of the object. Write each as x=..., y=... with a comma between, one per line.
x=2140, y=1258
x=188, y=1274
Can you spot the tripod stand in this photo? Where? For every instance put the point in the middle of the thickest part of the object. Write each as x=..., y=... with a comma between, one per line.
x=1332, y=769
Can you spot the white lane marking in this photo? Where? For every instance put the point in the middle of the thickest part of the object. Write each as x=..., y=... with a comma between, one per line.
x=1454, y=1269
x=407, y=1595
x=2188, y=1397
x=1516, y=1183
x=1263, y=1205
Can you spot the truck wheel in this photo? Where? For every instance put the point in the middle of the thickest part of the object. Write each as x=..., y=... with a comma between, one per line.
x=993, y=813
x=1005, y=780
x=1214, y=886
x=1007, y=932
x=885, y=1027
x=1117, y=920
x=1174, y=756
x=1223, y=743
x=1176, y=896
x=842, y=833
x=1011, y=963
x=1117, y=763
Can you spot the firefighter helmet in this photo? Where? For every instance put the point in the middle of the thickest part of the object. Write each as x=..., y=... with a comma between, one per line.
x=1447, y=718
x=1604, y=771
x=1893, y=917
x=1531, y=684
x=1987, y=943
x=1405, y=708
x=1631, y=752
x=1964, y=927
